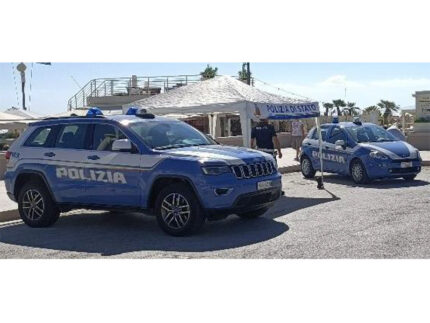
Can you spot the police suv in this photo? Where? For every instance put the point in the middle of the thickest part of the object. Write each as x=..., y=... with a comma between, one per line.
x=364, y=151
x=136, y=161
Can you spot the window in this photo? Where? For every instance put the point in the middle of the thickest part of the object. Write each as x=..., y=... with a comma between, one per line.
x=370, y=133
x=39, y=137
x=337, y=134
x=324, y=131
x=104, y=136
x=72, y=136
x=168, y=135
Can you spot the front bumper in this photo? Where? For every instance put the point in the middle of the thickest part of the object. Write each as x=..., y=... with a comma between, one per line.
x=247, y=202
x=392, y=168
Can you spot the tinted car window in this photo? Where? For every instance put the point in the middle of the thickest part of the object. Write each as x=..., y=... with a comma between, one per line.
x=104, y=136
x=337, y=134
x=39, y=138
x=324, y=131
x=72, y=136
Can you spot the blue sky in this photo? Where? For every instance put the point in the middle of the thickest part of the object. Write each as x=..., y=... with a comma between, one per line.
x=366, y=83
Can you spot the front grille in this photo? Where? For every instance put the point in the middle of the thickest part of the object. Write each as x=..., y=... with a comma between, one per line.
x=254, y=170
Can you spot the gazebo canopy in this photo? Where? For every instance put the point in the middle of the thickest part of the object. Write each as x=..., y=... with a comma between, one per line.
x=227, y=94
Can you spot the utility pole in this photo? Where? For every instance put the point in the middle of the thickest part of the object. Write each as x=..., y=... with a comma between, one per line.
x=248, y=74
x=21, y=68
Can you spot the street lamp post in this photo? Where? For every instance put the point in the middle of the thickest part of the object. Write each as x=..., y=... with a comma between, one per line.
x=21, y=68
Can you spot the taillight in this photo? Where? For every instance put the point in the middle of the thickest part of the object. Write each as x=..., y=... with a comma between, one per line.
x=7, y=156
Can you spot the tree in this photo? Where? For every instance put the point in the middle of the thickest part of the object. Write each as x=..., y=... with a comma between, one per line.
x=328, y=107
x=387, y=107
x=351, y=109
x=209, y=72
x=373, y=108
x=339, y=104
x=244, y=76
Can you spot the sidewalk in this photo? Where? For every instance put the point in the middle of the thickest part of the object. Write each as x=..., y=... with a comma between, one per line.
x=8, y=208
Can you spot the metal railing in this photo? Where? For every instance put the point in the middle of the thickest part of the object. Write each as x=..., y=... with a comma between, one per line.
x=128, y=86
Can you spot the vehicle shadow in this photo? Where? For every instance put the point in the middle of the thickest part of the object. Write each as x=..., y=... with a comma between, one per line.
x=113, y=234
x=379, y=184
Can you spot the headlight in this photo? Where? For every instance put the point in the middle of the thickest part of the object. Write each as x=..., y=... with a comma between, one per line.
x=215, y=170
x=377, y=154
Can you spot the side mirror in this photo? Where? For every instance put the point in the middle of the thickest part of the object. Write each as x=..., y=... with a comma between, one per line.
x=122, y=145
x=340, y=144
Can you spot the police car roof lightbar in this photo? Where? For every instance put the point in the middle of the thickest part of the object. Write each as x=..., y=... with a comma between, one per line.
x=94, y=112
x=132, y=111
x=357, y=121
x=142, y=113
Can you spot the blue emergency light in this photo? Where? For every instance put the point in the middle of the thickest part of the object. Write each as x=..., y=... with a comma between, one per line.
x=132, y=111
x=94, y=112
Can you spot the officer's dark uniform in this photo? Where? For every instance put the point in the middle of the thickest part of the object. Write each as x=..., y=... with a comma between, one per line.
x=263, y=134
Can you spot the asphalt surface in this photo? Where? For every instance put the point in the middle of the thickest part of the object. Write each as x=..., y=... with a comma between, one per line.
x=386, y=219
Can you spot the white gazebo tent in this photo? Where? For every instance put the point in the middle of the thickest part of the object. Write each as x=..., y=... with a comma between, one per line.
x=224, y=94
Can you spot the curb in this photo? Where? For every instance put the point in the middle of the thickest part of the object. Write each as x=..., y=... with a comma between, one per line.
x=9, y=215
x=289, y=169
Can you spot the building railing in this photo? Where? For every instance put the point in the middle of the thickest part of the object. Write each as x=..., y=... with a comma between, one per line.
x=128, y=86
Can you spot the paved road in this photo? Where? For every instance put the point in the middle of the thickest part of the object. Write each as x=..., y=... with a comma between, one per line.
x=389, y=219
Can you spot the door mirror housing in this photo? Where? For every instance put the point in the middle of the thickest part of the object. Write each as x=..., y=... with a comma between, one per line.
x=122, y=145
x=340, y=144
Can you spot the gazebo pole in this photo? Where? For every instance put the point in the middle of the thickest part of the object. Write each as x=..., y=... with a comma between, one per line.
x=320, y=180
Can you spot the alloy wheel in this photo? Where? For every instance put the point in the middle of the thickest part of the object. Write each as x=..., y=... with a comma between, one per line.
x=175, y=211
x=33, y=205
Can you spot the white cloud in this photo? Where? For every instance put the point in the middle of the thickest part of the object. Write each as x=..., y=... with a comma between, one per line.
x=339, y=80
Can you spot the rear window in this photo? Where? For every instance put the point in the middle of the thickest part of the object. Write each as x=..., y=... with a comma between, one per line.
x=39, y=138
x=72, y=136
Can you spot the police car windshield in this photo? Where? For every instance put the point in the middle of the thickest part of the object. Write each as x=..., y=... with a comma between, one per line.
x=167, y=135
x=369, y=133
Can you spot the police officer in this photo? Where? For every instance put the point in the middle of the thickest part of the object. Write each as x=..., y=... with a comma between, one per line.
x=264, y=135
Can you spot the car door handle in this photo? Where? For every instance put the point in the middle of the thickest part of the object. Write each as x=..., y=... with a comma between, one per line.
x=93, y=157
x=308, y=143
x=50, y=154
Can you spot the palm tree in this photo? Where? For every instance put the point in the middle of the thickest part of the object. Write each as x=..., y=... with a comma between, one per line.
x=388, y=107
x=209, y=72
x=373, y=108
x=328, y=107
x=351, y=109
x=339, y=104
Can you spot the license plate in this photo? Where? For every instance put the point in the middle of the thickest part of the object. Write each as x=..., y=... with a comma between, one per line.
x=405, y=164
x=264, y=185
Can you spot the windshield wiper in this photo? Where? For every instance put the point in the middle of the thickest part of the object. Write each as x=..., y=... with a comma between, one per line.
x=178, y=146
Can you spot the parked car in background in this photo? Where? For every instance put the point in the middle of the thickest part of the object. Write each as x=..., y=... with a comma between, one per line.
x=363, y=151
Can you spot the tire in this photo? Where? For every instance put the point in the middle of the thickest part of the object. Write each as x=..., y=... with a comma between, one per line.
x=253, y=214
x=358, y=172
x=36, y=207
x=170, y=202
x=409, y=177
x=308, y=170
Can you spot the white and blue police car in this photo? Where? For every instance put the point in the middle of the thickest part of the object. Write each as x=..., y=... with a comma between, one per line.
x=136, y=161
x=363, y=151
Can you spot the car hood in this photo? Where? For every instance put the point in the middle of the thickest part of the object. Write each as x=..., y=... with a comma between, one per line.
x=393, y=149
x=218, y=153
